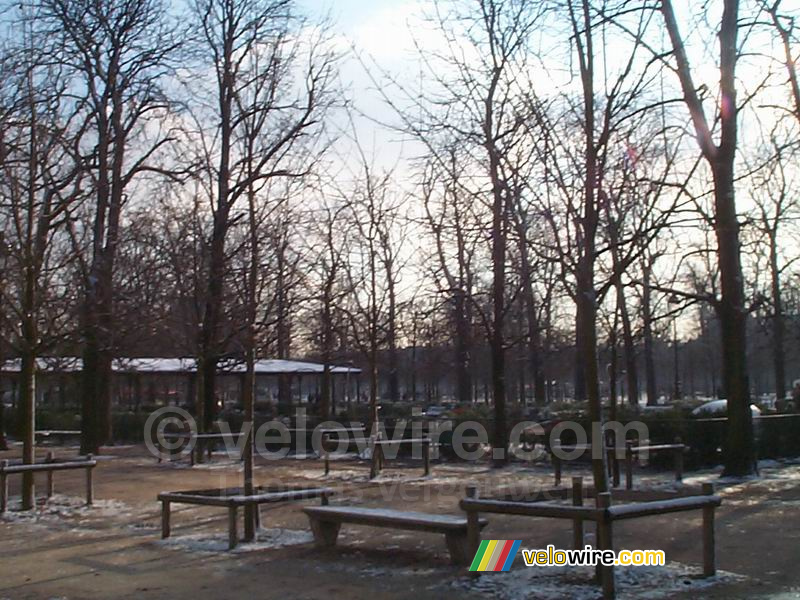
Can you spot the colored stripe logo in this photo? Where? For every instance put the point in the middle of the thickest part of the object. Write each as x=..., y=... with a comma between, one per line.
x=495, y=555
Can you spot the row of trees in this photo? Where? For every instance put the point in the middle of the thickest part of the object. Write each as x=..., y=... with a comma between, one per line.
x=193, y=182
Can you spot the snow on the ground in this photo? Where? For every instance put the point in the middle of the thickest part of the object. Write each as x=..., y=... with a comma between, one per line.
x=387, y=475
x=183, y=463
x=555, y=583
x=774, y=475
x=214, y=543
x=60, y=507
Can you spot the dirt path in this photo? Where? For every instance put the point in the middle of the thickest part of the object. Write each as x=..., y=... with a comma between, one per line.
x=113, y=550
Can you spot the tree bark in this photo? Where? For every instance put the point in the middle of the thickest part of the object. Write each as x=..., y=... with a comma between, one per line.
x=27, y=406
x=739, y=448
x=778, y=326
x=647, y=320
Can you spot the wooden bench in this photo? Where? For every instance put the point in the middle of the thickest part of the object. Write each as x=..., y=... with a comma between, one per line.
x=232, y=499
x=326, y=521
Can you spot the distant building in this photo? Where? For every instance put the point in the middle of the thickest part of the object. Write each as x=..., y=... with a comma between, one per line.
x=148, y=382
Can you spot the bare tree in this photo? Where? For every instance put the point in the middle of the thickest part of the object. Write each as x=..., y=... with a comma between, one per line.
x=457, y=242
x=40, y=183
x=327, y=265
x=373, y=267
x=116, y=53
x=776, y=206
x=721, y=156
x=786, y=27
x=255, y=52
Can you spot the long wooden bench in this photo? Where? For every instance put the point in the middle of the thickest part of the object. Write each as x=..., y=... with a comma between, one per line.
x=327, y=520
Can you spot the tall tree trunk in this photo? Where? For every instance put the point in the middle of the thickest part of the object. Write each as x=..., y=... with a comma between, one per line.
x=624, y=316
x=628, y=344
x=326, y=399
x=647, y=320
x=394, y=380
x=532, y=322
x=497, y=341
x=579, y=375
x=248, y=401
x=282, y=327
x=586, y=294
x=463, y=348
x=778, y=350
x=740, y=448
x=27, y=408
x=3, y=442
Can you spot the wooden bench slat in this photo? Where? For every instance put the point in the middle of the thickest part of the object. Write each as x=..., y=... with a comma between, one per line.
x=382, y=517
x=662, y=507
x=241, y=499
x=658, y=447
x=39, y=467
x=532, y=509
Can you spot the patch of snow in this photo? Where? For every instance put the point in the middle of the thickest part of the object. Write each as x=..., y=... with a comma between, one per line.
x=554, y=583
x=235, y=465
x=60, y=507
x=267, y=539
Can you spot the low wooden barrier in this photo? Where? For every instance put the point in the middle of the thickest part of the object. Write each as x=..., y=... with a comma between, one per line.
x=630, y=451
x=677, y=449
x=232, y=499
x=203, y=443
x=61, y=435
x=49, y=466
x=378, y=458
x=603, y=514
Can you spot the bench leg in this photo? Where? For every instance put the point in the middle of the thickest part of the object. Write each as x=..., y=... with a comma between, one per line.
x=89, y=485
x=709, y=545
x=3, y=493
x=459, y=547
x=557, y=469
x=325, y=532
x=165, y=514
x=49, y=490
x=233, y=534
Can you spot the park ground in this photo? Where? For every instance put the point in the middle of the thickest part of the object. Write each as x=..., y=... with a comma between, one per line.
x=113, y=550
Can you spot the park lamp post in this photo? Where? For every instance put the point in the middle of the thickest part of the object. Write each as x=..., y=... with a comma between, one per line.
x=674, y=301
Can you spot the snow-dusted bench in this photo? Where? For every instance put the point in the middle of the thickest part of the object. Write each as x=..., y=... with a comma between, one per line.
x=232, y=499
x=327, y=520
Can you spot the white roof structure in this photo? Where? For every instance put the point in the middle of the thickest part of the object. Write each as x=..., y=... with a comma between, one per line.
x=72, y=364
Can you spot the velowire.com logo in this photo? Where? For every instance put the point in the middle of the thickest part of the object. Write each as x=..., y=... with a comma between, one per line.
x=495, y=555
